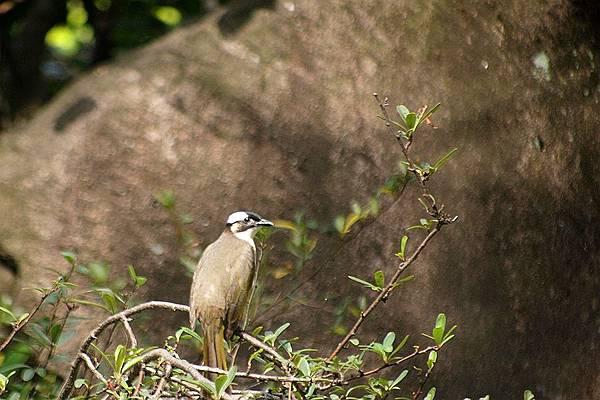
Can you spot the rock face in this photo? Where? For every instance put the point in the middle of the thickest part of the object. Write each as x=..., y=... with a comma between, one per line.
x=276, y=115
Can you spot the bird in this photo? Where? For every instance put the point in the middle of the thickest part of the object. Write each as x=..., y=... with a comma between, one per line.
x=222, y=285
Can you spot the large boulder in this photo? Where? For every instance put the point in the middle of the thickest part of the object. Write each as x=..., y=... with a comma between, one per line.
x=276, y=115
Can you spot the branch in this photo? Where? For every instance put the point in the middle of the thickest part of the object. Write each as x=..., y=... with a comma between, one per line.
x=17, y=327
x=402, y=360
x=132, y=338
x=91, y=367
x=163, y=380
x=93, y=335
x=181, y=364
x=282, y=362
x=385, y=292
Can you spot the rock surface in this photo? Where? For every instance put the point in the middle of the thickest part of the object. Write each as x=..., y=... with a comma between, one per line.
x=277, y=115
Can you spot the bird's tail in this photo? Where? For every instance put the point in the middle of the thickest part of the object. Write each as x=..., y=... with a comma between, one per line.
x=214, y=349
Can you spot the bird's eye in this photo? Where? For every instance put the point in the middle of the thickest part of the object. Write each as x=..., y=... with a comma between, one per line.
x=247, y=219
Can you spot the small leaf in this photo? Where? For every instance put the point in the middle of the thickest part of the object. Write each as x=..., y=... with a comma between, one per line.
x=69, y=256
x=430, y=394
x=224, y=381
x=444, y=159
x=27, y=374
x=364, y=283
x=402, y=252
x=403, y=112
x=339, y=223
x=411, y=121
x=440, y=327
x=282, y=328
x=388, y=342
x=304, y=367
x=400, y=378
x=431, y=359
x=7, y=311
x=165, y=198
x=379, y=278
x=3, y=383
x=79, y=383
x=528, y=395
x=354, y=342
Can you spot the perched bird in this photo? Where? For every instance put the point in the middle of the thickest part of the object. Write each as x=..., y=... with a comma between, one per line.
x=222, y=284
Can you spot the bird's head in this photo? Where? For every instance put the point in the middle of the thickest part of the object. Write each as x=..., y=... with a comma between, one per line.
x=246, y=223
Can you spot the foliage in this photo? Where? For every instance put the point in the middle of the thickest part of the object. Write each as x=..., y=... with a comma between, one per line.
x=116, y=364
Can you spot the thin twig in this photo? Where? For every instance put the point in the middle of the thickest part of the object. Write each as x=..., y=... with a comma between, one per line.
x=385, y=292
x=130, y=334
x=17, y=327
x=163, y=380
x=90, y=364
x=281, y=361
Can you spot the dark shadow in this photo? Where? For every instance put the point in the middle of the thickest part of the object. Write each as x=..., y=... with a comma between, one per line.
x=78, y=108
x=240, y=12
x=8, y=261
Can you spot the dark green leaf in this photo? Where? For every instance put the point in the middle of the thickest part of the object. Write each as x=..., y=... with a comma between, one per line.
x=411, y=120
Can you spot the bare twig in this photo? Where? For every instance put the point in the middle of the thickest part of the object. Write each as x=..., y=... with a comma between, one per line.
x=402, y=360
x=385, y=292
x=163, y=380
x=281, y=361
x=17, y=327
x=140, y=379
x=90, y=364
x=130, y=334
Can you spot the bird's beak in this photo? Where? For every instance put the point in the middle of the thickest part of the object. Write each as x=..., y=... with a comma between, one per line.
x=264, y=222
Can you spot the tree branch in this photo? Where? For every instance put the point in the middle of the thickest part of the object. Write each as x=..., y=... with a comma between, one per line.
x=385, y=292
x=93, y=335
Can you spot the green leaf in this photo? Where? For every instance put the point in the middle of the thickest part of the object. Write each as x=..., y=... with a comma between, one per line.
x=379, y=278
x=282, y=328
x=528, y=395
x=3, y=383
x=224, y=381
x=402, y=252
x=138, y=281
x=411, y=121
x=403, y=112
x=388, y=342
x=440, y=327
x=354, y=342
x=27, y=374
x=364, y=283
x=339, y=222
x=189, y=332
x=431, y=359
x=8, y=312
x=400, y=378
x=69, y=256
x=401, y=345
x=444, y=159
x=79, y=383
x=304, y=367
x=120, y=354
x=165, y=198
x=430, y=394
